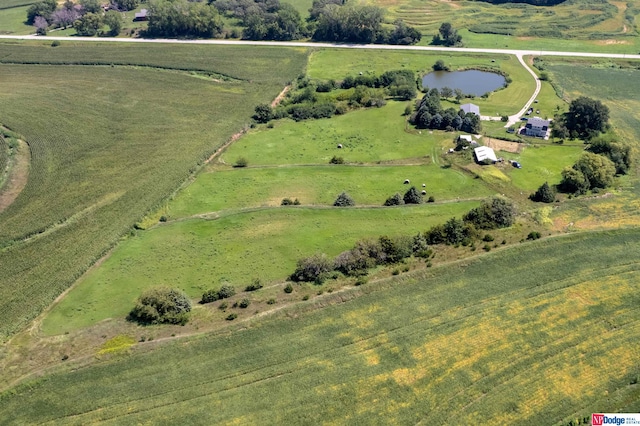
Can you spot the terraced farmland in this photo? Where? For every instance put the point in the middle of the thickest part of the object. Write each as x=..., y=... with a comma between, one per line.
x=545, y=330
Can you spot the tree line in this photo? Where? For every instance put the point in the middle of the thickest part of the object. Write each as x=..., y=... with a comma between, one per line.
x=493, y=213
x=429, y=114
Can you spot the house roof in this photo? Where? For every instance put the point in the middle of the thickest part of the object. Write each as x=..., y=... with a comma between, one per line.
x=485, y=153
x=141, y=14
x=538, y=122
x=466, y=138
x=467, y=108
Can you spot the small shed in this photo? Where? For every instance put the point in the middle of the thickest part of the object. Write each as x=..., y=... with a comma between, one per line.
x=467, y=138
x=141, y=16
x=484, y=153
x=467, y=108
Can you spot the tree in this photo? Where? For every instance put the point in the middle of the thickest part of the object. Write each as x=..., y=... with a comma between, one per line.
x=395, y=249
x=403, y=34
x=64, y=17
x=394, y=200
x=412, y=196
x=126, y=4
x=41, y=24
x=344, y=200
x=446, y=92
x=312, y=269
x=586, y=117
x=598, y=170
x=90, y=6
x=180, y=18
x=353, y=262
x=544, y=194
x=620, y=154
x=459, y=94
x=114, y=21
x=44, y=8
x=494, y=213
x=263, y=113
x=161, y=305
x=440, y=66
x=88, y=25
x=357, y=24
x=573, y=181
x=447, y=35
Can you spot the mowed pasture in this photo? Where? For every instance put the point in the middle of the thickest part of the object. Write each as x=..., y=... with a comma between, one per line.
x=318, y=185
x=336, y=64
x=108, y=143
x=546, y=330
x=197, y=255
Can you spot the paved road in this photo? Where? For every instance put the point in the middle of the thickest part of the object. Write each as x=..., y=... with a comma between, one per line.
x=331, y=45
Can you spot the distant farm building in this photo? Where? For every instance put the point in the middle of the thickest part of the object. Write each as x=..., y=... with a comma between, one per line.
x=537, y=127
x=467, y=108
x=485, y=154
x=141, y=16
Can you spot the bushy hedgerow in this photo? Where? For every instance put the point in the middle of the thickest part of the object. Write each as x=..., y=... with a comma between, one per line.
x=224, y=292
x=312, y=269
x=161, y=305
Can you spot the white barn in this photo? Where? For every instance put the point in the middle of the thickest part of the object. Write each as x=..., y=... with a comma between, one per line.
x=485, y=153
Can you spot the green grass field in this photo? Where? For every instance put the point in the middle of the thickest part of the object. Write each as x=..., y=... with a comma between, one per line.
x=12, y=21
x=196, y=255
x=546, y=330
x=108, y=144
x=336, y=64
x=318, y=185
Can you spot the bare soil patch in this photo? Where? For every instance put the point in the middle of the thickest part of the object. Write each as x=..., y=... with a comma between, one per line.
x=18, y=176
x=280, y=97
x=500, y=145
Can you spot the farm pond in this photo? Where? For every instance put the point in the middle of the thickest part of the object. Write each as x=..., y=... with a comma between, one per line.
x=471, y=82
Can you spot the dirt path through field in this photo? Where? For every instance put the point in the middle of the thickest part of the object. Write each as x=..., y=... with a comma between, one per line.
x=18, y=175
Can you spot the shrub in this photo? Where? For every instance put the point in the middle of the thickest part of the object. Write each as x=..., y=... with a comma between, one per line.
x=395, y=249
x=440, y=66
x=161, y=305
x=487, y=238
x=271, y=301
x=209, y=296
x=533, y=235
x=395, y=272
x=241, y=162
x=394, y=200
x=312, y=269
x=493, y=213
x=55, y=43
x=486, y=247
x=286, y=202
x=431, y=199
x=244, y=303
x=544, y=194
x=256, y=284
x=226, y=291
x=305, y=297
x=231, y=316
x=223, y=306
x=412, y=196
x=353, y=262
x=344, y=200
x=288, y=288
x=361, y=280
x=336, y=160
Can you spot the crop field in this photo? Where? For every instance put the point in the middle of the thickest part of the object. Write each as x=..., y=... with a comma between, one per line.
x=543, y=330
x=569, y=20
x=101, y=138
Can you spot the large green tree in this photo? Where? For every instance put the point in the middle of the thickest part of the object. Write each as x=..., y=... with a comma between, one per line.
x=44, y=8
x=181, y=18
x=88, y=25
x=586, y=118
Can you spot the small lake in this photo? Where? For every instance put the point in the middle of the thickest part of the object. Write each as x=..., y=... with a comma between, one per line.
x=471, y=82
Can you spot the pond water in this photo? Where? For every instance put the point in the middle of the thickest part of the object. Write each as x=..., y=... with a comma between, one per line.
x=471, y=82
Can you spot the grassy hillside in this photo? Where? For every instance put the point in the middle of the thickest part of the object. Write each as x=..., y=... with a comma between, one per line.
x=544, y=330
x=109, y=143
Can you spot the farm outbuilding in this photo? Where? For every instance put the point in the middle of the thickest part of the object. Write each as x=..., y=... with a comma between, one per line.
x=467, y=108
x=484, y=153
x=141, y=16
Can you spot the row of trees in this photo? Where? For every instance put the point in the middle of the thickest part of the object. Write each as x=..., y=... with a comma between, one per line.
x=491, y=214
x=86, y=16
x=182, y=18
x=265, y=20
x=430, y=115
x=368, y=91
